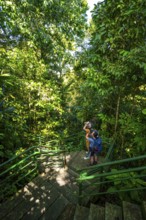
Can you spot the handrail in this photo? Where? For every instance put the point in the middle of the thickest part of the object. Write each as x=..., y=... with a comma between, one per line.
x=25, y=151
x=96, y=168
x=4, y=180
x=102, y=177
x=109, y=153
x=82, y=178
x=112, y=192
x=19, y=163
x=29, y=158
x=119, y=179
x=114, y=162
x=14, y=172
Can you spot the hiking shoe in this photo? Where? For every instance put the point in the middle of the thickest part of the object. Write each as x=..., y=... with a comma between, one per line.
x=87, y=157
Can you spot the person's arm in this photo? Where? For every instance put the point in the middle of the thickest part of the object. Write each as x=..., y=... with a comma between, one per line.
x=84, y=128
x=91, y=141
x=87, y=125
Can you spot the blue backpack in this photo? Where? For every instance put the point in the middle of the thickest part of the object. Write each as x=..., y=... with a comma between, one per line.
x=97, y=144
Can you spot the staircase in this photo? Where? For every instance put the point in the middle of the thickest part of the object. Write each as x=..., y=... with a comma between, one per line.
x=127, y=211
x=53, y=196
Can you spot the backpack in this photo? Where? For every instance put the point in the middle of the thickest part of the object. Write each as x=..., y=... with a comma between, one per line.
x=97, y=145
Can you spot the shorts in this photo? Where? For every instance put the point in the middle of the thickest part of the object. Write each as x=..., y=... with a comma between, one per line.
x=93, y=152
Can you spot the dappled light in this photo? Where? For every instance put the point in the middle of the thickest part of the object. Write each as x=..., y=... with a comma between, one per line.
x=41, y=193
x=58, y=187
x=70, y=67
x=62, y=177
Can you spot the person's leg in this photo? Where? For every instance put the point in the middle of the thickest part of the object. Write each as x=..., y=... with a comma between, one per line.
x=87, y=145
x=91, y=157
x=95, y=158
x=91, y=160
x=87, y=156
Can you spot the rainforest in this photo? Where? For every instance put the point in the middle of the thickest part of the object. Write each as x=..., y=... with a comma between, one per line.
x=58, y=71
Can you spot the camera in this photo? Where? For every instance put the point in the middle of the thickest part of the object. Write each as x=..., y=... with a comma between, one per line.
x=87, y=124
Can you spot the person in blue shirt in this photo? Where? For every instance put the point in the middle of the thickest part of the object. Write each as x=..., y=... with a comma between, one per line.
x=95, y=146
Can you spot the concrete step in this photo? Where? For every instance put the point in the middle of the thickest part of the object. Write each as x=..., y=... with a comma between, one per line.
x=113, y=212
x=131, y=211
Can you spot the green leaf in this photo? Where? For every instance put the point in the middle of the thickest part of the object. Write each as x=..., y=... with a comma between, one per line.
x=111, y=189
x=144, y=111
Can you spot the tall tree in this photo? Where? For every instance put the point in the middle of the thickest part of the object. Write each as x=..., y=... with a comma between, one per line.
x=36, y=38
x=114, y=72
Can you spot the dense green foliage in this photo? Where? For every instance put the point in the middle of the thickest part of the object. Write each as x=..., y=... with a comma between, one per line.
x=112, y=74
x=36, y=38
x=42, y=97
x=56, y=73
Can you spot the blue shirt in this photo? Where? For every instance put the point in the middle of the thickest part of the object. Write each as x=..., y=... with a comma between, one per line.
x=95, y=144
x=91, y=141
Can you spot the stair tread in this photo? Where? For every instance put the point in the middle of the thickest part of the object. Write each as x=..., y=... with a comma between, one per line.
x=53, y=211
x=54, y=195
x=32, y=204
x=144, y=209
x=81, y=213
x=70, y=157
x=65, y=183
x=77, y=162
x=68, y=212
x=131, y=211
x=113, y=212
x=96, y=212
x=22, y=194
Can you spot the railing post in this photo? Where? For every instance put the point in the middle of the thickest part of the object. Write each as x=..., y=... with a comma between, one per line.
x=101, y=179
x=80, y=192
x=64, y=160
x=37, y=164
x=62, y=146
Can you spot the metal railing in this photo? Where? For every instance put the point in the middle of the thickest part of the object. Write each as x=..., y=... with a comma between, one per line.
x=22, y=168
x=113, y=174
